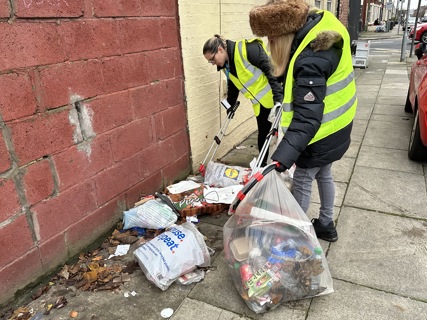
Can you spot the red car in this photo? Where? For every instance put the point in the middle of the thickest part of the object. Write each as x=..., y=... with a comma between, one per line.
x=421, y=34
x=416, y=102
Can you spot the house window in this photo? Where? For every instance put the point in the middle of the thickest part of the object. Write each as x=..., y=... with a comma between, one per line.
x=329, y=6
x=317, y=4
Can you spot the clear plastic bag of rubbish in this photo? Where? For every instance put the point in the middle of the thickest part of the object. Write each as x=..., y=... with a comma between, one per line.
x=152, y=214
x=173, y=253
x=271, y=247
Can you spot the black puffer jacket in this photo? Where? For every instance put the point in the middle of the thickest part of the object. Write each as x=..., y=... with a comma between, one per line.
x=258, y=58
x=315, y=66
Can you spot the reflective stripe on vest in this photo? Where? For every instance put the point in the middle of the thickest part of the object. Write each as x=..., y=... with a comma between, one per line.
x=250, y=80
x=340, y=100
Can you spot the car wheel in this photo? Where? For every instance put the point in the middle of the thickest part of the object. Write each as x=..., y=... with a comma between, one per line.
x=424, y=37
x=408, y=106
x=417, y=151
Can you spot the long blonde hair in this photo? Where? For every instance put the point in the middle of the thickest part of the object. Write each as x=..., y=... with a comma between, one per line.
x=280, y=50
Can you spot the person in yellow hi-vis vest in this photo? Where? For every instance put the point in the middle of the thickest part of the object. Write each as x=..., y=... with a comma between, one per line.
x=311, y=49
x=247, y=67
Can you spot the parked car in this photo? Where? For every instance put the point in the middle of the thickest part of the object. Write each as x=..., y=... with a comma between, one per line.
x=420, y=34
x=416, y=102
x=411, y=23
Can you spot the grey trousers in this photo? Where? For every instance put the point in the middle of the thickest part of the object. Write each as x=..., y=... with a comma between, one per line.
x=302, y=185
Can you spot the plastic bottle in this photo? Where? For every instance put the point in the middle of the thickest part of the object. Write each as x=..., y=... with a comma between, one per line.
x=315, y=280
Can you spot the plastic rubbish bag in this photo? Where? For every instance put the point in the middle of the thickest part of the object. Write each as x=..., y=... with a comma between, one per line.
x=151, y=215
x=271, y=248
x=175, y=252
x=221, y=175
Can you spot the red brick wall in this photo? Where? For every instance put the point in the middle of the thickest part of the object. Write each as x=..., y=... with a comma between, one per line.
x=343, y=12
x=92, y=116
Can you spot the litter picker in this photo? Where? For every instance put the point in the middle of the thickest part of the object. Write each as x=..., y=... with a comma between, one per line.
x=218, y=138
x=273, y=132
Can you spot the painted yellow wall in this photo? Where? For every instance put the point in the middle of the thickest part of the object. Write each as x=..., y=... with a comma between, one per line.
x=204, y=86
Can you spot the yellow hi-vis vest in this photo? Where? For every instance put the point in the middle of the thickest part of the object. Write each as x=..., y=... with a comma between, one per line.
x=250, y=80
x=340, y=100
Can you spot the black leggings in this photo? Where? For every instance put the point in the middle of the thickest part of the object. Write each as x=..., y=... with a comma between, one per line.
x=264, y=127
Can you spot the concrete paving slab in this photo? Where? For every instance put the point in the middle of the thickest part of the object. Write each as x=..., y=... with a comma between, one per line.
x=371, y=88
x=395, y=110
x=342, y=169
x=367, y=81
x=403, y=121
x=194, y=309
x=382, y=252
x=364, y=100
x=354, y=302
x=399, y=84
x=383, y=158
x=395, y=192
x=387, y=135
x=392, y=92
x=353, y=150
x=363, y=112
x=359, y=129
x=397, y=123
x=396, y=71
x=392, y=100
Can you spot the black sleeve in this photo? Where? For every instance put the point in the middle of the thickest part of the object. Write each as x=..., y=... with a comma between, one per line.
x=232, y=93
x=258, y=57
x=310, y=73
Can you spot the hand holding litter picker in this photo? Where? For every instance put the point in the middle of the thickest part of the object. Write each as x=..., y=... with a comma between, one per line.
x=273, y=131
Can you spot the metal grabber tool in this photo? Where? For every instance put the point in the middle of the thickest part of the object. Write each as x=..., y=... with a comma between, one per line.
x=273, y=132
x=219, y=136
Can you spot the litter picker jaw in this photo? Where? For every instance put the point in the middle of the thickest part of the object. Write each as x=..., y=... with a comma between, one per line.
x=218, y=137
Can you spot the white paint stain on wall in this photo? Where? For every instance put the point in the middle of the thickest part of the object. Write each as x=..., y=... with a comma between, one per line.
x=81, y=117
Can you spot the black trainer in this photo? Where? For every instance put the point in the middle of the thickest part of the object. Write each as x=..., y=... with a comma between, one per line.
x=327, y=233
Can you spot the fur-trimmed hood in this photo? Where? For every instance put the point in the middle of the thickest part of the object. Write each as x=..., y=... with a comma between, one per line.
x=325, y=40
x=278, y=17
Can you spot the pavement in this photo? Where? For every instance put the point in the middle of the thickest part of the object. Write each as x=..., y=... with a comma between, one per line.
x=379, y=263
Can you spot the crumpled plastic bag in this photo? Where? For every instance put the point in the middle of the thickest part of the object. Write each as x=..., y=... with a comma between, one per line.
x=222, y=175
x=152, y=214
x=271, y=248
x=173, y=253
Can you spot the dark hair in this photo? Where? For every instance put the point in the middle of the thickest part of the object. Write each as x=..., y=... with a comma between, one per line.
x=214, y=43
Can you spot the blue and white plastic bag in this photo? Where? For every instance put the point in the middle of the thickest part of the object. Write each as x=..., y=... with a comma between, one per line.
x=173, y=253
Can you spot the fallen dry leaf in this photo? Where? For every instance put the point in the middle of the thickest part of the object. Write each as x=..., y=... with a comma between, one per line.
x=97, y=258
x=90, y=276
x=93, y=266
x=40, y=291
